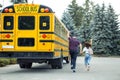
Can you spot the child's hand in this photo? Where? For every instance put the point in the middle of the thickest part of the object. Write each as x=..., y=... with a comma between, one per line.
x=81, y=52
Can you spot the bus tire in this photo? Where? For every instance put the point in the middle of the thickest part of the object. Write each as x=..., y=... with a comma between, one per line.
x=60, y=63
x=57, y=63
x=25, y=65
x=22, y=65
x=28, y=65
x=54, y=66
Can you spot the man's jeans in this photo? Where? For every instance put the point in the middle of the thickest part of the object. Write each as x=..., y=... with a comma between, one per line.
x=73, y=54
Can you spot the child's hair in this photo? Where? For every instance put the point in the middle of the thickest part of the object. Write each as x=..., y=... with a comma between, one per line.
x=87, y=44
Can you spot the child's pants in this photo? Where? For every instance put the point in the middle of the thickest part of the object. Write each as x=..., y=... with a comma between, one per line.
x=87, y=59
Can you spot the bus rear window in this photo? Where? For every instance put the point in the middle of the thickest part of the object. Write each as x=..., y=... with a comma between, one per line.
x=44, y=22
x=8, y=22
x=26, y=22
x=26, y=41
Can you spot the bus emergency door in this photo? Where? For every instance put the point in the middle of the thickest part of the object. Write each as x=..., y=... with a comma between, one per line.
x=26, y=32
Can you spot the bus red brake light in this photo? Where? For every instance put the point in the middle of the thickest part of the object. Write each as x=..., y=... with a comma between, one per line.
x=46, y=10
x=44, y=36
x=7, y=35
x=6, y=10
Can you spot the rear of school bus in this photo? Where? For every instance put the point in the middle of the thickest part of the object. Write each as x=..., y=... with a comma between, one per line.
x=27, y=33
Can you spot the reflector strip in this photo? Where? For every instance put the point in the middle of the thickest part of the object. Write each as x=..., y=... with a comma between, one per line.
x=6, y=46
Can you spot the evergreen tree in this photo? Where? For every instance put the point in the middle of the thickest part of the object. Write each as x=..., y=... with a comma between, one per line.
x=88, y=7
x=0, y=7
x=84, y=31
x=119, y=44
x=76, y=13
x=68, y=21
x=19, y=1
x=95, y=28
x=100, y=31
x=113, y=28
x=82, y=16
x=88, y=11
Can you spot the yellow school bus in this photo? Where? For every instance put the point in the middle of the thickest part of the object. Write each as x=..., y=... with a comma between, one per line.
x=32, y=33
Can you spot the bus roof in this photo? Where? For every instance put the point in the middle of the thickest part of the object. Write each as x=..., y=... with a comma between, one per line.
x=27, y=7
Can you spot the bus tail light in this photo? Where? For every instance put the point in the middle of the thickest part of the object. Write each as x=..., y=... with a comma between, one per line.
x=44, y=10
x=7, y=35
x=10, y=10
x=44, y=36
x=6, y=10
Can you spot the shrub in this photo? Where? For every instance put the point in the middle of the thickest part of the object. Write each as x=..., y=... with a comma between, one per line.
x=4, y=62
x=13, y=61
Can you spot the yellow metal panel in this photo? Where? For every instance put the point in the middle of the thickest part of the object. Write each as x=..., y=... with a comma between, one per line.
x=26, y=34
x=46, y=35
x=0, y=31
x=45, y=46
x=57, y=54
x=6, y=47
x=6, y=35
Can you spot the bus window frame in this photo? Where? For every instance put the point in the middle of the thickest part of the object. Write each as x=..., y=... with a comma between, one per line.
x=27, y=20
x=47, y=27
x=5, y=27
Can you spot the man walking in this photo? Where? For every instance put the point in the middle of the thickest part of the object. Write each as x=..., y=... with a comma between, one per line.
x=73, y=49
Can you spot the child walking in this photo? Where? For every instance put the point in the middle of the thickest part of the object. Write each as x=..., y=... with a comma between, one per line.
x=88, y=51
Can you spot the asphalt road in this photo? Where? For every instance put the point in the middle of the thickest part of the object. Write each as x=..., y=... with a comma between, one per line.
x=101, y=69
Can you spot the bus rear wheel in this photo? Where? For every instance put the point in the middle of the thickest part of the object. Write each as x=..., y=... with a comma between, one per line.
x=25, y=65
x=57, y=63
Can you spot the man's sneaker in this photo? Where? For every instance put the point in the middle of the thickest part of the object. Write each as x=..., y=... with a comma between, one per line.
x=71, y=66
x=74, y=70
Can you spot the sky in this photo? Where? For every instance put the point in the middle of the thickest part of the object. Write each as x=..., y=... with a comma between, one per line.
x=59, y=6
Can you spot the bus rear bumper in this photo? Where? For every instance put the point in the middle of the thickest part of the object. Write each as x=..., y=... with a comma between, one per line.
x=29, y=55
